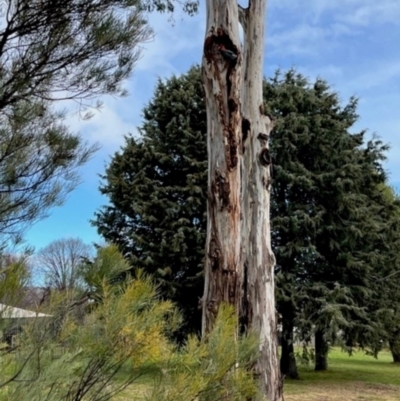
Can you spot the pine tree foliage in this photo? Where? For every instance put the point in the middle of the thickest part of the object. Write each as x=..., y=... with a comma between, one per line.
x=77, y=49
x=388, y=290
x=39, y=159
x=108, y=267
x=54, y=50
x=157, y=190
x=189, y=6
x=215, y=368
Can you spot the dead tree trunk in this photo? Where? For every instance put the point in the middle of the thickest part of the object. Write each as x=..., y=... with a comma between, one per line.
x=258, y=305
x=222, y=80
x=239, y=259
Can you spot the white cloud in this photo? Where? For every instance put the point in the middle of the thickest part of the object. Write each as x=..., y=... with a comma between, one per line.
x=319, y=25
x=356, y=12
x=372, y=12
x=302, y=39
x=377, y=74
x=182, y=36
x=107, y=126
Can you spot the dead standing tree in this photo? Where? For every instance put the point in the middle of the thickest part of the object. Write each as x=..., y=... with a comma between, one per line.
x=222, y=80
x=239, y=260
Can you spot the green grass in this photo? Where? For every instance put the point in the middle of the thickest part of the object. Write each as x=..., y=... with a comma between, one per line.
x=349, y=378
x=356, y=377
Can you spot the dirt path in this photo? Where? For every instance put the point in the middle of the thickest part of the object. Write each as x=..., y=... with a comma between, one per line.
x=350, y=391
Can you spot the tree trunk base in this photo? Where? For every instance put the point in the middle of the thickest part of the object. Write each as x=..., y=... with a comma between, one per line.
x=394, y=346
x=288, y=359
x=321, y=352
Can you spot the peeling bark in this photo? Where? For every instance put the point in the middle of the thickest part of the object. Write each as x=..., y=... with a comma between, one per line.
x=222, y=80
x=256, y=179
x=239, y=266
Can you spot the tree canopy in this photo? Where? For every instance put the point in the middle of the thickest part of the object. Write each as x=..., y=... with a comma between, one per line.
x=54, y=50
x=325, y=205
x=328, y=212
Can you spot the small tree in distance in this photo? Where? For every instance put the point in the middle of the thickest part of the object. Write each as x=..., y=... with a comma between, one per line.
x=59, y=263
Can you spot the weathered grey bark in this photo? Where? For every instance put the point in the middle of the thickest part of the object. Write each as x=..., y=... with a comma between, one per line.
x=321, y=351
x=222, y=80
x=239, y=259
x=258, y=259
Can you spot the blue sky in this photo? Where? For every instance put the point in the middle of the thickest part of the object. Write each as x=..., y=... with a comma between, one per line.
x=353, y=44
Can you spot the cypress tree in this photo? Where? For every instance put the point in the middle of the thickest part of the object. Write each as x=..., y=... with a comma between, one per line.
x=323, y=209
x=384, y=303
x=157, y=190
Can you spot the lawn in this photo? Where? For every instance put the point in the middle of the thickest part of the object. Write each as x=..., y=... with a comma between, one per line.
x=349, y=378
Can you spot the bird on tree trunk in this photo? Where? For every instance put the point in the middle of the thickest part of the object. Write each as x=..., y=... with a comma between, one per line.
x=228, y=55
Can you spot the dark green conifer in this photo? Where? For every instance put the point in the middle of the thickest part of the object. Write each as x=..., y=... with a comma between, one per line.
x=322, y=211
x=157, y=186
